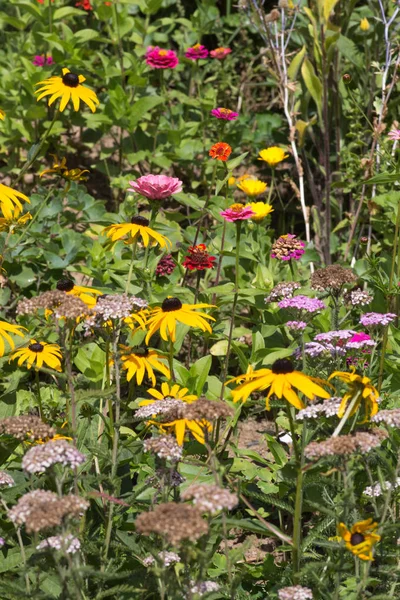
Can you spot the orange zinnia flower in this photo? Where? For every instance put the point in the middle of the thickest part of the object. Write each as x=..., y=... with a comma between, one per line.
x=220, y=151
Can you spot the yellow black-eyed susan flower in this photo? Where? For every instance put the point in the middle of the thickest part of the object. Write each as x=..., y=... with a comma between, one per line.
x=361, y=386
x=137, y=228
x=165, y=317
x=60, y=168
x=138, y=361
x=280, y=379
x=5, y=330
x=39, y=353
x=2, y=115
x=68, y=87
x=10, y=201
x=361, y=538
x=86, y=294
x=15, y=222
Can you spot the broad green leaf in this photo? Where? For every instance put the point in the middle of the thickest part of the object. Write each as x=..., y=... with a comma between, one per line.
x=67, y=11
x=350, y=51
x=85, y=35
x=199, y=372
x=235, y=162
x=143, y=106
x=325, y=7
x=295, y=65
x=383, y=178
x=313, y=84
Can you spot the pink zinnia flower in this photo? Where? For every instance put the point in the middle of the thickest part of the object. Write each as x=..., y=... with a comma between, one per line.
x=196, y=52
x=237, y=212
x=394, y=135
x=41, y=61
x=156, y=187
x=220, y=53
x=161, y=59
x=224, y=113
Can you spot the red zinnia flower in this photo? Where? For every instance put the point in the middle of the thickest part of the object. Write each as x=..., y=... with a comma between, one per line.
x=198, y=259
x=85, y=4
x=220, y=151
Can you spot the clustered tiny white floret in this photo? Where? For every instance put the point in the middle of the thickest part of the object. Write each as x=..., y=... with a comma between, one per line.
x=204, y=587
x=377, y=490
x=157, y=408
x=167, y=559
x=295, y=592
x=39, y=458
x=117, y=306
x=68, y=543
x=164, y=446
x=390, y=417
x=6, y=480
x=328, y=407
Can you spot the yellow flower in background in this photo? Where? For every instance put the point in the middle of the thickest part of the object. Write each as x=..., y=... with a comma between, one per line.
x=236, y=180
x=280, y=379
x=60, y=168
x=15, y=222
x=5, y=330
x=39, y=353
x=10, y=204
x=86, y=294
x=364, y=24
x=167, y=391
x=252, y=187
x=361, y=538
x=361, y=386
x=171, y=312
x=2, y=115
x=138, y=361
x=260, y=210
x=137, y=320
x=68, y=87
x=137, y=228
x=273, y=155
x=231, y=181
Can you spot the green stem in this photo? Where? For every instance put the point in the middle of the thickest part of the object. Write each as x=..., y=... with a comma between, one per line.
x=171, y=360
x=31, y=222
x=133, y=257
x=30, y=161
x=50, y=17
x=346, y=415
x=38, y=395
x=271, y=187
x=153, y=215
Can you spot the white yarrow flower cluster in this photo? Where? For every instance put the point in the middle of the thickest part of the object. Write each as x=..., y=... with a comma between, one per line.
x=167, y=559
x=295, y=592
x=210, y=498
x=327, y=408
x=117, y=306
x=158, y=407
x=39, y=458
x=204, y=587
x=377, y=490
x=68, y=543
x=6, y=480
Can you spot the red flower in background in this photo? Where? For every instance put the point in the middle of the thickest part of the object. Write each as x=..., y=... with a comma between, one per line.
x=220, y=151
x=85, y=4
x=198, y=259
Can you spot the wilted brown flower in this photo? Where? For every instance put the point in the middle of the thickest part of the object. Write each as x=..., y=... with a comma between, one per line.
x=274, y=15
x=202, y=409
x=42, y=457
x=362, y=441
x=282, y=290
x=26, y=427
x=210, y=498
x=332, y=278
x=174, y=522
x=47, y=300
x=164, y=446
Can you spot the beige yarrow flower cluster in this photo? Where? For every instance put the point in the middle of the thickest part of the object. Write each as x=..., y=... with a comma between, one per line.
x=362, y=441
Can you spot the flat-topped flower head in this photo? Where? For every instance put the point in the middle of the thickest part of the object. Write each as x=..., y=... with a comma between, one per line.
x=139, y=361
x=361, y=538
x=196, y=52
x=6, y=331
x=165, y=317
x=39, y=353
x=226, y=114
x=10, y=202
x=252, y=187
x=220, y=53
x=295, y=592
x=280, y=379
x=261, y=210
x=302, y=304
x=273, y=155
x=137, y=228
x=237, y=212
x=158, y=58
x=220, y=151
x=198, y=258
x=68, y=87
x=156, y=187
x=374, y=319
x=287, y=247
x=359, y=385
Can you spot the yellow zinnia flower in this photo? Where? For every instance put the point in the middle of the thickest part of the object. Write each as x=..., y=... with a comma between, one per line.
x=260, y=210
x=10, y=204
x=39, y=352
x=361, y=386
x=273, y=155
x=252, y=187
x=165, y=317
x=15, y=222
x=361, y=538
x=364, y=24
x=138, y=227
x=2, y=115
x=139, y=360
x=5, y=330
x=68, y=87
x=86, y=294
x=280, y=379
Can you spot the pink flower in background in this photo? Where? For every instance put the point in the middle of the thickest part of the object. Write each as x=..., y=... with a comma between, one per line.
x=156, y=187
x=196, y=52
x=237, y=212
x=41, y=61
x=224, y=113
x=220, y=53
x=394, y=135
x=161, y=59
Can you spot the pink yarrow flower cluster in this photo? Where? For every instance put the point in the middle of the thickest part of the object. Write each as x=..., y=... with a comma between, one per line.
x=158, y=58
x=196, y=52
x=372, y=319
x=296, y=325
x=156, y=187
x=41, y=61
x=302, y=303
x=226, y=114
x=237, y=212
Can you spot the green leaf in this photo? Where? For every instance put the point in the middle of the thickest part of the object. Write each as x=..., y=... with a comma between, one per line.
x=313, y=84
x=85, y=35
x=350, y=51
x=295, y=65
x=141, y=107
x=199, y=372
x=67, y=11
x=235, y=162
x=277, y=450
x=325, y=7
x=383, y=178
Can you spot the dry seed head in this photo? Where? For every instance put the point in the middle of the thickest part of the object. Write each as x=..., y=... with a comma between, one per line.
x=174, y=522
x=362, y=442
x=26, y=427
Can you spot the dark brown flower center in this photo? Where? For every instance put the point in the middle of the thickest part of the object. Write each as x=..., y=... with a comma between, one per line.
x=71, y=80
x=171, y=304
x=282, y=366
x=65, y=285
x=36, y=347
x=138, y=220
x=140, y=351
x=356, y=539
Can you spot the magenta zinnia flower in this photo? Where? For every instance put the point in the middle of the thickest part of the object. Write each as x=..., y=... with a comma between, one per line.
x=220, y=53
x=196, y=52
x=156, y=187
x=237, y=212
x=224, y=113
x=394, y=135
x=161, y=59
x=41, y=61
